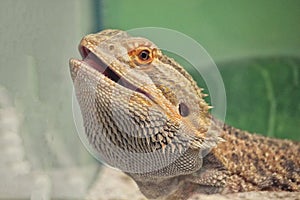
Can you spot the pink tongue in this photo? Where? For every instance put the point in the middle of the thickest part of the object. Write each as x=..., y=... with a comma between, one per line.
x=91, y=60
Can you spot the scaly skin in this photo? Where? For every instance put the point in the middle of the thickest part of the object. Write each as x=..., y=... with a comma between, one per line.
x=144, y=114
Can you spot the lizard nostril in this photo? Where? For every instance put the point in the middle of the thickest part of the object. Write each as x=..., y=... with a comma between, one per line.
x=111, y=47
x=183, y=109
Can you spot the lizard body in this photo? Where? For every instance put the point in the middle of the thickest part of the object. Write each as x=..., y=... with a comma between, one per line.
x=145, y=115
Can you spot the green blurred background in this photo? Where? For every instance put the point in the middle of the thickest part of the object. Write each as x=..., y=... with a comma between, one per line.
x=227, y=29
x=255, y=44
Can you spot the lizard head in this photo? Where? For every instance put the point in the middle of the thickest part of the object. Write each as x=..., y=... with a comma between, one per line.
x=135, y=98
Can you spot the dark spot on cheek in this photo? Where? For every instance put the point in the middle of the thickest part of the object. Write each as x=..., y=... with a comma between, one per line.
x=183, y=110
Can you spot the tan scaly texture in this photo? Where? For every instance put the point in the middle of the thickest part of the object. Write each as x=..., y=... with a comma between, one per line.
x=144, y=114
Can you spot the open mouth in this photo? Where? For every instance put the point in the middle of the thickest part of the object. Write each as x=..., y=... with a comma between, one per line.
x=89, y=58
x=93, y=61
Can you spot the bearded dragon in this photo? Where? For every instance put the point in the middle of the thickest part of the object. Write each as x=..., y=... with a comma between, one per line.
x=144, y=114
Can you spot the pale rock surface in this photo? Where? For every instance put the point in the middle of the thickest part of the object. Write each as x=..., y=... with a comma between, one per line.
x=113, y=184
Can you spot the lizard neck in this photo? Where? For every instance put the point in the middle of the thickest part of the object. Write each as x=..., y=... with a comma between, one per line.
x=254, y=162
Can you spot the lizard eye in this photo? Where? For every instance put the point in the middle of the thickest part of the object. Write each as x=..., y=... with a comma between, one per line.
x=144, y=55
